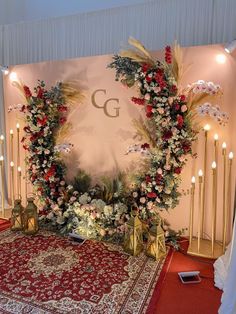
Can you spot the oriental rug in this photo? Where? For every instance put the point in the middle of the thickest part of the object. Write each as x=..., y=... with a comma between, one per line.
x=47, y=273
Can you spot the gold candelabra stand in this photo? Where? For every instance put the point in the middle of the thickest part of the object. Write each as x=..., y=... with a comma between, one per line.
x=199, y=245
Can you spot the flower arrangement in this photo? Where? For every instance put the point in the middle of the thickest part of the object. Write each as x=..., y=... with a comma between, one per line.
x=168, y=129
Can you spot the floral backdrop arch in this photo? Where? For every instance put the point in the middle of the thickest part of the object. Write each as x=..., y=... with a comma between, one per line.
x=171, y=126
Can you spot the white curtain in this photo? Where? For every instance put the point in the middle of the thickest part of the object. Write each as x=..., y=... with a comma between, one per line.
x=156, y=23
x=225, y=277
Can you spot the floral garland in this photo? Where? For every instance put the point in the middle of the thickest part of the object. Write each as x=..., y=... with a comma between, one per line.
x=102, y=211
x=170, y=122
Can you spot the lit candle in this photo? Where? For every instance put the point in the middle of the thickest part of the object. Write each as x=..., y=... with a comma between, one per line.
x=31, y=224
x=207, y=127
x=191, y=211
x=2, y=185
x=19, y=182
x=214, y=206
x=18, y=144
x=2, y=145
x=200, y=216
x=11, y=144
x=12, y=182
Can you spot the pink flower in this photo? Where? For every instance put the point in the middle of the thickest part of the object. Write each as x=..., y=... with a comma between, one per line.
x=161, y=110
x=184, y=108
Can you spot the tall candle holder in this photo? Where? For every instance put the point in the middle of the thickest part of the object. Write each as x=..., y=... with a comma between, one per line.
x=18, y=144
x=200, y=175
x=224, y=192
x=19, y=181
x=12, y=182
x=199, y=245
x=214, y=207
x=207, y=128
x=191, y=211
x=229, y=196
x=2, y=145
x=11, y=144
x=2, y=186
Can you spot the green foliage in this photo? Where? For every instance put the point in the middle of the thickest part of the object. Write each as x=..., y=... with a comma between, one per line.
x=82, y=182
x=112, y=188
x=126, y=69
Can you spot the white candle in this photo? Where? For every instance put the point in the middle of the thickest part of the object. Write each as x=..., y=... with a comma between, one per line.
x=231, y=155
x=207, y=127
x=213, y=165
x=200, y=173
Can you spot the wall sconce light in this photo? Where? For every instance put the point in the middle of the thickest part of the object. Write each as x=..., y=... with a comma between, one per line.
x=230, y=47
x=4, y=69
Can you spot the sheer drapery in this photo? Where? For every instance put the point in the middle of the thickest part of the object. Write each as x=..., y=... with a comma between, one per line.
x=156, y=23
x=225, y=274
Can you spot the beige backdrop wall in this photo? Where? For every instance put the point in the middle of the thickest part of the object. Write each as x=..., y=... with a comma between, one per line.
x=100, y=141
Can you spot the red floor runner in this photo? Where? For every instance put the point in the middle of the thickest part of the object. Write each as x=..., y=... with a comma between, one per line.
x=4, y=224
x=177, y=298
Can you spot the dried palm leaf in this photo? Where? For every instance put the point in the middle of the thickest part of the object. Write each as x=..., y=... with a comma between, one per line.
x=71, y=92
x=63, y=133
x=177, y=67
x=20, y=86
x=138, y=45
x=139, y=55
x=144, y=132
x=195, y=100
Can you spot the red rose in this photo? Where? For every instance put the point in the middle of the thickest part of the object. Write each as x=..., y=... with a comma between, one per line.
x=62, y=120
x=42, y=121
x=23, y=108
x=40, y=92
x=173, y=89
x=177, y=170
x=168, y=56
x=26, y=129
x=145, y=67
x=148, y=79
x=149, y=112
x=138, y=101
x=62, y=108
x=158, y=178
x=27, y=91
x=148, y=179
x=186, y=146
x=177, y=107
x=151, y=195
x=182, y=98
x=145, y=146
x=180, y=121
x=167, y=135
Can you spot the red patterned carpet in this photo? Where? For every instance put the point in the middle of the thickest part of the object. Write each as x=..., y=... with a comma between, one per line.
x=49, y=274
